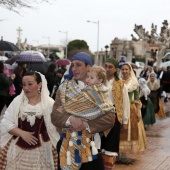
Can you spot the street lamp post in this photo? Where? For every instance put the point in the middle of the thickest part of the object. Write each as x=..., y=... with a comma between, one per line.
x=48, y=45
x=65, y=32
x=106, y=47
x=97, y=56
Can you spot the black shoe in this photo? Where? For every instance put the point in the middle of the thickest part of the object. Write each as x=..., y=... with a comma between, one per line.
x=126, y=161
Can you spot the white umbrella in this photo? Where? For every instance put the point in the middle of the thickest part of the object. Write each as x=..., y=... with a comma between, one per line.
x=8, y=66
x=3, y=58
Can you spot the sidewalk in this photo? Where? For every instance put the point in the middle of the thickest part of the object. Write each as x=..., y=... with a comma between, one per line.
x=157, y=154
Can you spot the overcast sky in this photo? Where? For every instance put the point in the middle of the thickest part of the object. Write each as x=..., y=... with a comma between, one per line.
x=116, y=19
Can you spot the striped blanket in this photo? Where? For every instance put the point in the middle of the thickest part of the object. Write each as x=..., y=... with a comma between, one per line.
x=90, y=102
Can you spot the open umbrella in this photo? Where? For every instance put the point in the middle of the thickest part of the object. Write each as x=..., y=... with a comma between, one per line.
x=8, y=46
x=42, y=68
x=63, y=62
x=3, y=58
x=29, y=57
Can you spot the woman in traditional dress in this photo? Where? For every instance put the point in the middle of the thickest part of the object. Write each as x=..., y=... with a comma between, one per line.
x=154, y=95
x=148, y=114
x=132, y=140
x=28, y=138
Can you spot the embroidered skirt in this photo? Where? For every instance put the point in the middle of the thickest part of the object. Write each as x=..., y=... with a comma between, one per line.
x=13, y=157
x=137, y=142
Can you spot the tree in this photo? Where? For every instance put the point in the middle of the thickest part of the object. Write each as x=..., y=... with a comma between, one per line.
x=16, y=5
x=163, y=39
x=76, y=46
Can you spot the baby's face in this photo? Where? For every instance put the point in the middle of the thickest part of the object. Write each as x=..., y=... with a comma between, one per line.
x=92, y=78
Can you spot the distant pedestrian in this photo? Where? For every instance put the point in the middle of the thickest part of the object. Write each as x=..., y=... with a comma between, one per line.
x=155, y=95
x=121, y=62
x=12, y=92
x=59, y=75
x=166, y=82
x=51, y=77
x=154, y=86
x=143, y=73
x=147, y=110
x=18, y=79
x=24, y=66
x=5, y=83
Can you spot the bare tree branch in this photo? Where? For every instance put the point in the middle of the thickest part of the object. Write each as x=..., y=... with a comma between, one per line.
x=17, y=5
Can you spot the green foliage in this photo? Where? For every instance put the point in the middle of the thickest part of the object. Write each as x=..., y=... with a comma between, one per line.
x=141, y=58
x=77, y=44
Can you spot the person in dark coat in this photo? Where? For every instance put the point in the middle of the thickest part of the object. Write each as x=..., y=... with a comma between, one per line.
x=24, y=66
x=5, y=83
x=51, y=77
x=18, y=79
x=59, y=75
x=166, y=82
x=18, y=71
x=143, y=73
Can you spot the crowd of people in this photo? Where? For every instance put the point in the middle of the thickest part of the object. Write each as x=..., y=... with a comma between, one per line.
x=86, y=118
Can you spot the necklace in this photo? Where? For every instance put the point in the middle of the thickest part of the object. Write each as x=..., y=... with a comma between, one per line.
x=30, y=112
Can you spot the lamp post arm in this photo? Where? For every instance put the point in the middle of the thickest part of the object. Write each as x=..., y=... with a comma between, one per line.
x=97, y=54
x=65, y=32
x=97, y=44
x=66, y=44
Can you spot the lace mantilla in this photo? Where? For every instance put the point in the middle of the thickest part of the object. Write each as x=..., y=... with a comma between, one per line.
x=131, y=85
x=29, y=112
